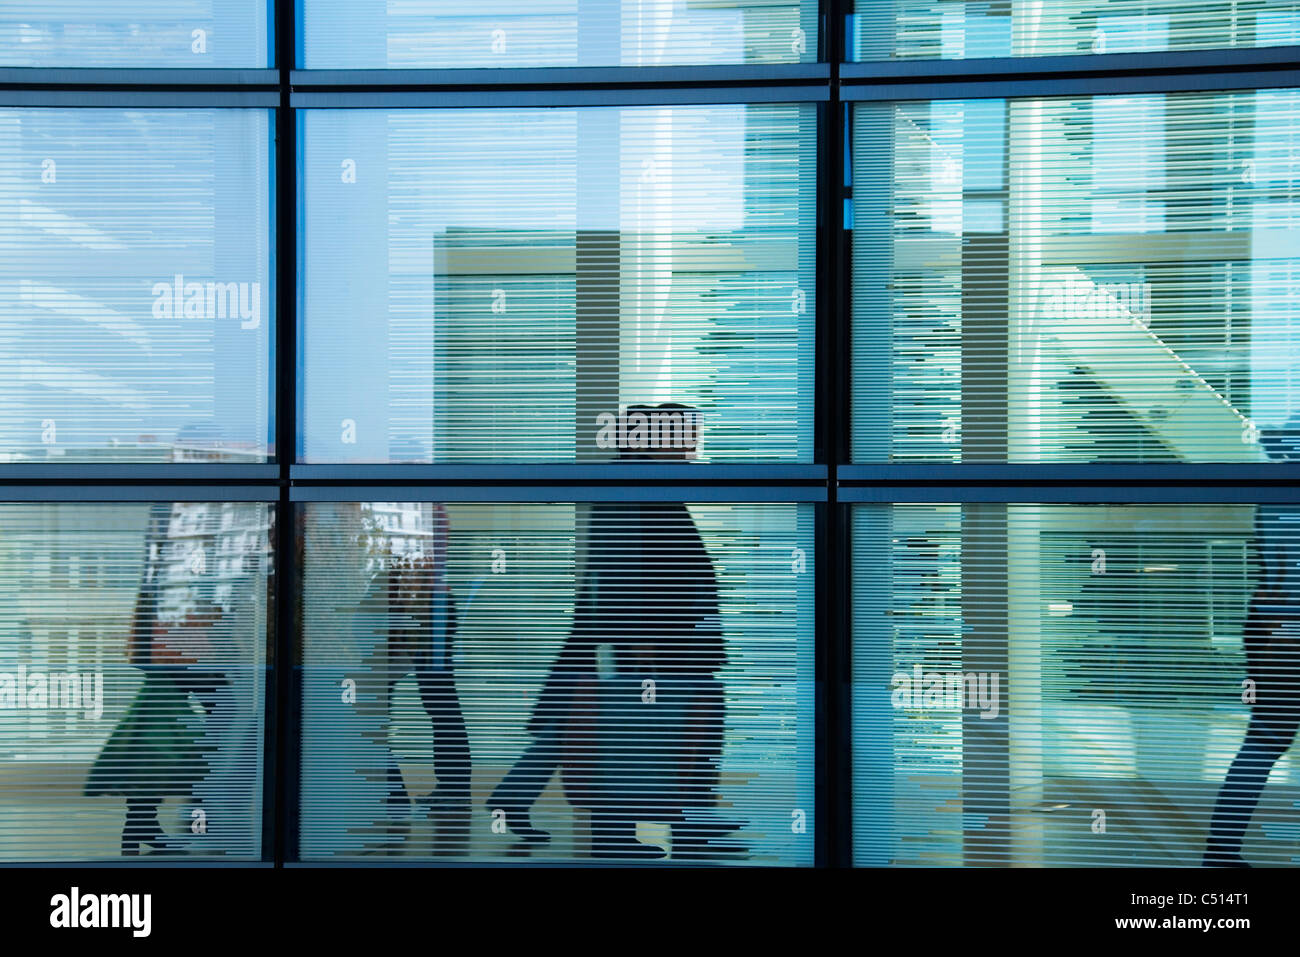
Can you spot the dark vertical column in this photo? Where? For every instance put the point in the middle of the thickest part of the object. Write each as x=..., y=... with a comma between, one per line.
x=984, y=342
x=596, y=330
x=597, y=257
x=985, y=337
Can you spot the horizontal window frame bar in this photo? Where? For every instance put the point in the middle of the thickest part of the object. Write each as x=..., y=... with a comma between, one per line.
x=555, y=97
x=59, y=492
x=585, y=76
x=139, y=472
x=570, y=473
x=1072, y=473
x=964, y=88
x=131, y=864
x=1073, y=494
x=140, y=99
x=1084, y=64
x=29, y=76
x=560, y=494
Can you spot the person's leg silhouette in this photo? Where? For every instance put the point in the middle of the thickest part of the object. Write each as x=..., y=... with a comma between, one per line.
x=1275, y=666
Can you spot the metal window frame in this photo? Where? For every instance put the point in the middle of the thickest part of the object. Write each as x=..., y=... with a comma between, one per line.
x=833, y=483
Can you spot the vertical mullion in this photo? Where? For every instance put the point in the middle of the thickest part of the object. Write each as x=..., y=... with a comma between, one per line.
x=280, y=775
x=832, y=748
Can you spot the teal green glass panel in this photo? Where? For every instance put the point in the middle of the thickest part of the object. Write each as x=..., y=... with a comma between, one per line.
x=1075, y=685
x=132, y=680
x=590, y=683
x=1076, y=279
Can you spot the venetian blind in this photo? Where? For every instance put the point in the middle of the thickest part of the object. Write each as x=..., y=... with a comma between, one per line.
x=132, y=677
x=558, y=682
x=1076, y=279
x=1071, y=685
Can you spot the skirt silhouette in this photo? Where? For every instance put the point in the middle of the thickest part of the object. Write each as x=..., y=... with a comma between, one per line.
x=157, y=749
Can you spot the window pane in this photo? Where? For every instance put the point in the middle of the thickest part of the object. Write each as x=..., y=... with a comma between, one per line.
x=1077, y=279
x=1068, y=685
x=954, y=29
x=135, y=283
x=377, y=34
x=501, y=285
x=610, y=681
x=197, y=34
x=132, y=670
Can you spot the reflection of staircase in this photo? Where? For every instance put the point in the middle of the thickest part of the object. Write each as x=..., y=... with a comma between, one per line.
x=1095, y=330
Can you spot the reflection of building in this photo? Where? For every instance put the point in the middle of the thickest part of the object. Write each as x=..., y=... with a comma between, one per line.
x=79, y=571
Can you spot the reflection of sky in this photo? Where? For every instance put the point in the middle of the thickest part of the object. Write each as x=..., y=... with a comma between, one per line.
x=103, y=206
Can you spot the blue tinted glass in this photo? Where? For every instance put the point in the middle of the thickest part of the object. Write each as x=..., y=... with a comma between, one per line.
x=957, y=29
x=192, y=34
x=135, y=285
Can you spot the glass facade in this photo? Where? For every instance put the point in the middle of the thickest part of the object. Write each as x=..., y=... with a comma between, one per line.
x=132, y=678
x=1076, y=279
x=1090, y=685
x=658, y=433
x=524, y=273
x=658, y=699
x=191, y=34
x=136, y=288
x=935, y=29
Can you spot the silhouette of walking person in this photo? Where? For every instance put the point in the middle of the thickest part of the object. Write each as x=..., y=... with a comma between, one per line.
x=1271, y=639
